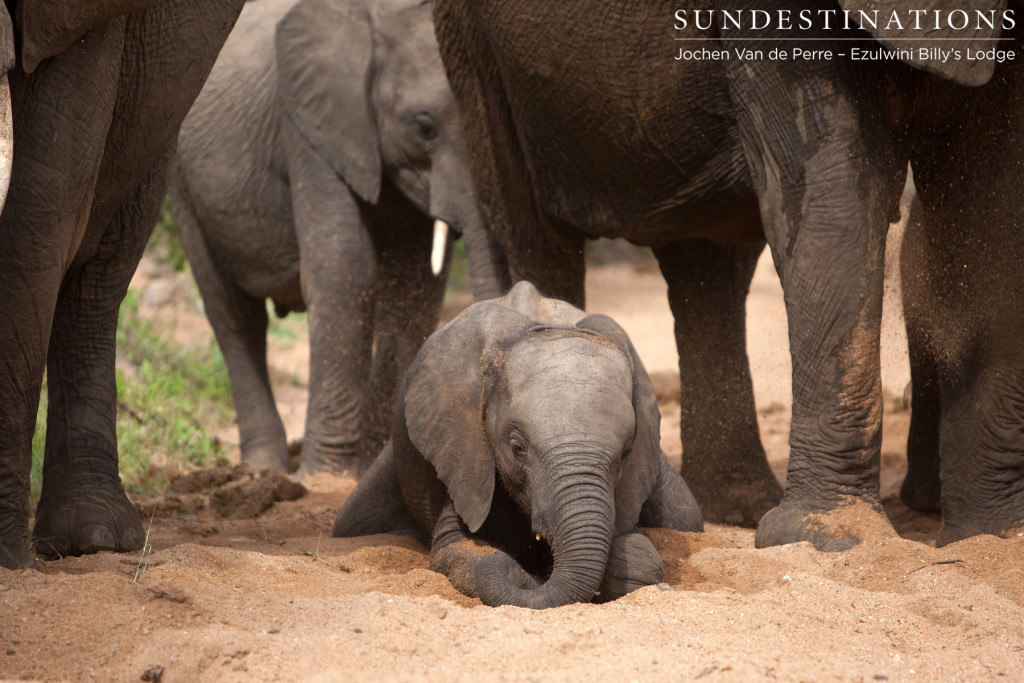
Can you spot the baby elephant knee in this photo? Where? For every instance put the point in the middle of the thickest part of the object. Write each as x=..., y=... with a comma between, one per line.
x=633, y=562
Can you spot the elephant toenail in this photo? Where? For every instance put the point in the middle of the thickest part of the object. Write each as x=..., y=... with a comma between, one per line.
x=133, y=538
x=97, y=537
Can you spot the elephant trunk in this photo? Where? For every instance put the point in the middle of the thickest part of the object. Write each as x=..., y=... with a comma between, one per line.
x=580, y=542
x=453, y=201
x=488, y=269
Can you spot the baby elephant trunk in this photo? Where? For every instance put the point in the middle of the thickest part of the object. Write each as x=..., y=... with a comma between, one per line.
x=580, y=545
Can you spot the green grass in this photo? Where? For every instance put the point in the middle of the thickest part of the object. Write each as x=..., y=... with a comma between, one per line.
x=166, y=407
x=38, y=442
x=165, y=242
x=165, y=410
x=458, y=273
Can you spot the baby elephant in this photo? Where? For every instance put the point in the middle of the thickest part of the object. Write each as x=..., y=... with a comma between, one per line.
x=525, y=450
x=310, y=171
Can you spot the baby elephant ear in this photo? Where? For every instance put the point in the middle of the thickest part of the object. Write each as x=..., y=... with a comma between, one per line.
x=444, y=404
x=640, y=467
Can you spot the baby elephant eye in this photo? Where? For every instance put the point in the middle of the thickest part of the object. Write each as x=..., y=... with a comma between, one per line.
x=518, y=448
x=426, y=126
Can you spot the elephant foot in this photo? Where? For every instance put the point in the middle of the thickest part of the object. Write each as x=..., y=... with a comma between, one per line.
x=338, y=465
x=922, y=492
x=271, y=457
x=633, y=562
x=739, y=498
x=834, y=530
x=460, y=561
x=517, y=575
x=996, y=524
x=83, y=520
x=15, y=553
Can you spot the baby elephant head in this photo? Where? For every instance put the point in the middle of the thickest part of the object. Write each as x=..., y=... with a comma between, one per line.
x=556, y=403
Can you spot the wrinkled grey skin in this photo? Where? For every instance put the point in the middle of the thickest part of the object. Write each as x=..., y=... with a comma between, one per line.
x=309, y=172
x=99, y=90
x=703, y=159
x=531, y=428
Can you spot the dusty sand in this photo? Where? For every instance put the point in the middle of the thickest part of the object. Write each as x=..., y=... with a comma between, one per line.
x=273, y=597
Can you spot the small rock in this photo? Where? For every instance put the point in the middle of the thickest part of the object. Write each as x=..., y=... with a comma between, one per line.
x=153, y=674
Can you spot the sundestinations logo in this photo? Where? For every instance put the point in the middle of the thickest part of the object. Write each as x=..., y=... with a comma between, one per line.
x=909, y=35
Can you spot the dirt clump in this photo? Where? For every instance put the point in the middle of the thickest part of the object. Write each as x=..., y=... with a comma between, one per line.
x=230, y=492
x=212, y=478
x=248, y=498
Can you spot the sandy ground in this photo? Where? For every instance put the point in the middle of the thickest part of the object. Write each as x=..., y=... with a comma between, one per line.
x=271, y=596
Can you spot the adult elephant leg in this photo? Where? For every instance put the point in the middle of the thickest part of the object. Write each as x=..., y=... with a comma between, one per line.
x=555, y=264
x=239, y=322
x=823, y=166
x=83, y=507
x=921, y=489
x=338, y=271
x=43, y=222
x=407, y=304
x=724, y=463
x=973, y=291
x=549, y=256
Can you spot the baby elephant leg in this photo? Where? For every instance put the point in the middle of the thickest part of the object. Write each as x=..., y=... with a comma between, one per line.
x=671, y=505
x=377, y=505
x=455, y=553
x=633, y=563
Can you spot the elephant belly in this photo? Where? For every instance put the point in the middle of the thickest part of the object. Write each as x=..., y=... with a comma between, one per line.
x=620, y=139
x=261, y=254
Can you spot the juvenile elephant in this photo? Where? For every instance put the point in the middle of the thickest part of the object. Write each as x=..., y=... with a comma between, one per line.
x=533, y=428
x=588, y=119
x=310, y=171
x=98, y=89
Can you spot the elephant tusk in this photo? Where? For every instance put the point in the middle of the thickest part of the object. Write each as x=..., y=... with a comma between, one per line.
x=437, y=250
x=6, y=138
x=537, y=537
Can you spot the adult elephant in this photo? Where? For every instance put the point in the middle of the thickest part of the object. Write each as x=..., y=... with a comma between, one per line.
x=310, y=170
x=98, y=90
x=586, y=121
